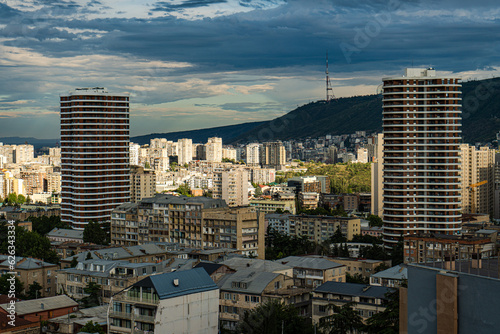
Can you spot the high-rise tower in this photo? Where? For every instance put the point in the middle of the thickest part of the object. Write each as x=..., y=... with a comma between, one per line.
x=94, y=155
x=421, y=120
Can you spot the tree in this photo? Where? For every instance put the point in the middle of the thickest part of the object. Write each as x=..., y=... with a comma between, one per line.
x=34, y=291
x=356, y=278
x=94, y=233
x=73, y=263
x=387, y=321
x=397, y=252
x=147, y=165
x=93, y=290
x=375, y=220
x=92, y=327
x=273, y=317
x=337, y=237
x=44, y=224
x=381, y=267
x=28, y=199
x=21, y=199
x=184, y=190
x=28, y=244
x=5, y=281
x=344, y=319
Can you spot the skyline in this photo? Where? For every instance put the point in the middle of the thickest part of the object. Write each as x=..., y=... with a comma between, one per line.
x=203, y=63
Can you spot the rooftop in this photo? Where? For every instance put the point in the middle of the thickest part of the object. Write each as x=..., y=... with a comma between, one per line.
x=353, y=289
x=309, y=262
x=179, y=283
x=399, y=272
x=42, y=304
x=254, y=282
x=65, y=233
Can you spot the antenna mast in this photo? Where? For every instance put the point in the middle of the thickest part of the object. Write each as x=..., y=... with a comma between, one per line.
x=329, y=90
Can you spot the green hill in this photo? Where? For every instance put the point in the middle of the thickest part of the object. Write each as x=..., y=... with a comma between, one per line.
x=481, y=116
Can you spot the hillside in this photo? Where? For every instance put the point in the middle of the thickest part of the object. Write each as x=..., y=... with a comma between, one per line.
x=481, y=116
x=227, y=133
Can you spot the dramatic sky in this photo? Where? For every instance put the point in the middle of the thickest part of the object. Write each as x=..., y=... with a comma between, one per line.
x=191, y=64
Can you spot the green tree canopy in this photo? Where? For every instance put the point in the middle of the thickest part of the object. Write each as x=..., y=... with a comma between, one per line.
x=387, y=321
x=344, y=320
x=34, y=291
x=273, y=317
x=44, y=224
x=5, y=285
x=94, y=233
x=92, y=327
x=94, y=294
x=375, y=220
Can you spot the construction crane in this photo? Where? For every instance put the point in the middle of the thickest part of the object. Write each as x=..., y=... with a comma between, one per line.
x=471, y=191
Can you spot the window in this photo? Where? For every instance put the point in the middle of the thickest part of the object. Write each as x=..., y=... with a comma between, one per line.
x=227, y=296
x=322, y=308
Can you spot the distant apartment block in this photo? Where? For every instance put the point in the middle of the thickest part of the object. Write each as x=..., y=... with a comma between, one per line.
x=478, y=165
x=308, y=200
x=273, y=154
x=270, y=206
x=142, y=183
x=231, y=186
x=253, y=154
x=94, y=155
x=321, y=228
x=318, y=184
x=185, y=151
x=214, y=149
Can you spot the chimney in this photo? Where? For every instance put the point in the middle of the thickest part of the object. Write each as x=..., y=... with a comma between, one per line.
x=176, y=282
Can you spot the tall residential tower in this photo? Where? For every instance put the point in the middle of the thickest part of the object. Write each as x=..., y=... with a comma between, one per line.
x=94, y=155
x=422, y=188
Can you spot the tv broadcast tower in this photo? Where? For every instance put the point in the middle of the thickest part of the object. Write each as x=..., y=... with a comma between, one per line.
x=329, y=90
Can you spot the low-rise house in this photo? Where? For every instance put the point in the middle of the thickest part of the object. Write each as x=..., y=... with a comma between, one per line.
x=374, y=231
x=215, y=270
x=184, y=302
x=245, y=290
x=367, y=300
x=239, y=263
x=62, y=234
x=78, y=319
x=30, y=270
x=133, y=254
x=21, y=326
x=364, y=267
x=391, y=278
x=112, y=276
x=312, y=272
x=40, y=309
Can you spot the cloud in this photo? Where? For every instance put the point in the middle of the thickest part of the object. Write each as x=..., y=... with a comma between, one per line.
x=168, y=6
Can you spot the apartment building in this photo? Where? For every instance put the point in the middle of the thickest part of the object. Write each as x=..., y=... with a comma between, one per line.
x=312, y=271
x=112, y=276
x=321, y=228
x=30, y=270
x=273, y=154
x=214, y=149
x=185, y=151
x=245, y=290
x=142, y=183
x=422, y=184
x=478, y=165
x=184, y=302
x=199, y=222
x=308, y=200
x=363, y=267
x=270, y=206
x=367, y=300
x=94, y=155
x=231, y=186
x=253, y=154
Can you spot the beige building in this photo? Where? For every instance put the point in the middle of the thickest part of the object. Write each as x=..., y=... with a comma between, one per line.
x=197, y=222
x=311, y=271
x=253, y=154
x=214, y=149
x=23, y=154
x=142, y=183
x=321, y=228
x=185, y=151
x=377, y=178
x=367, y=300
x=478, y=165
x=364, y=267
x=273, y=154
x=270, y=206
x=229, y=153
x=308, y=200
x=247, y=289
x=30, y=270
x=231, y=186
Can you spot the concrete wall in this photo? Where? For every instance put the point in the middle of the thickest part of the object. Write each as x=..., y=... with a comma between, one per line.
x=197, y=313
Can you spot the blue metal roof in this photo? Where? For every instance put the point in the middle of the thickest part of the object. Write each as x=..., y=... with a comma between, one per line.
x=353, y=289
x=190, y=281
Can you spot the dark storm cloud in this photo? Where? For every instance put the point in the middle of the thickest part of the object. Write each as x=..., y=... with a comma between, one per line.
x=168, y=6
